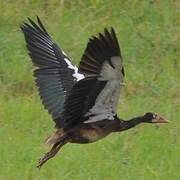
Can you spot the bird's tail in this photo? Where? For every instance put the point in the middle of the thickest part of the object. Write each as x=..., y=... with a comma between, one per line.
x=56, y=137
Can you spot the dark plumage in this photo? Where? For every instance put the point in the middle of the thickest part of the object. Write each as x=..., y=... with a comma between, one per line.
x=83, y=102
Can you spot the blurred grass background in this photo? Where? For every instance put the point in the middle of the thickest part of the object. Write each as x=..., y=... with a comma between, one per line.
x=148, y=33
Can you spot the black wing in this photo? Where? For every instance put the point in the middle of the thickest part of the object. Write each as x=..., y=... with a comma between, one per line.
x=55, y=75
x=98, y=50
x=80, y=99
x=95, y=98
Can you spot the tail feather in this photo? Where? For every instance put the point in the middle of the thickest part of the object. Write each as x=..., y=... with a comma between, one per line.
x=56, y=137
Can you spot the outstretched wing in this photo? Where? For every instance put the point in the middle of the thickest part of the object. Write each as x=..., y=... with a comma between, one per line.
x=98, y=50
x=55, y=75
x=96, y=97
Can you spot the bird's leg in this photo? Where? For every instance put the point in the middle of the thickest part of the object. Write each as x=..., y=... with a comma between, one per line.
x=56, y=147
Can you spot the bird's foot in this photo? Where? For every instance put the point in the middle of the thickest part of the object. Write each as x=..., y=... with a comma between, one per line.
x=50, y=154
x=43, y=159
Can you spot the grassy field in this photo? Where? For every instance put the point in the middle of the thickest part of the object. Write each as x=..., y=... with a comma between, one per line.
x=148, y=34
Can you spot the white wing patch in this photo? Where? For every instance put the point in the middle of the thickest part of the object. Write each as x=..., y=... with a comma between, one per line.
x=63, y=52
x=105, y=106
x=77, y=75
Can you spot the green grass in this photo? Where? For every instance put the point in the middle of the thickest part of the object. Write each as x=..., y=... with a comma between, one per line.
x=148, y=34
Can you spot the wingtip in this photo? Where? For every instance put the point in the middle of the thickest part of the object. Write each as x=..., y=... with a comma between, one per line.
x=105, y=29
x=112, y=28
x=29, y=19
x=41, y=25
x=22, y=25
x=38, y=20
x=109, y=30
x=113, y=31
x=32, y=22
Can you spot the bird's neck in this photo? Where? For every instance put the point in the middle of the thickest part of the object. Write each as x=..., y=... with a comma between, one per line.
x=125, y=125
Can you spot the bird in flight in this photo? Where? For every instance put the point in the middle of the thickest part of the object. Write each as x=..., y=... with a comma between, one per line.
x=82, y=101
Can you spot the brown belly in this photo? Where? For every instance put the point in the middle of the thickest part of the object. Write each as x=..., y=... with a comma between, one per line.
x=87, y=134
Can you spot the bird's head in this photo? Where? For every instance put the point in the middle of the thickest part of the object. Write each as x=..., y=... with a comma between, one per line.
x=151, y=117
